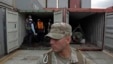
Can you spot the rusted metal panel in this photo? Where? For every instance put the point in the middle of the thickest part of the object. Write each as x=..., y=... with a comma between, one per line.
x=53, y=9
x=78, y=9
x=74, y=4
x=109, y=9
x=85, y=10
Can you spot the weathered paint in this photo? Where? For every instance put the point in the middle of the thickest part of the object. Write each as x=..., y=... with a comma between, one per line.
x=74, y=3
x=9, y=2
x=30, y=4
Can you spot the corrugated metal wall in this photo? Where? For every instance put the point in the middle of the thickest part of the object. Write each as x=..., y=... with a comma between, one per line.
x=9, y=2
x=21, y=28
x=30, y=4
x=108, y=39
x=63, y=4
x=93, y=27
x=2, y=32
x=85, y=3
x=53, y=4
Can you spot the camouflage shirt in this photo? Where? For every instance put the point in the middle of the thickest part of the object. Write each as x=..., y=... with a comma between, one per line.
x=56, y=59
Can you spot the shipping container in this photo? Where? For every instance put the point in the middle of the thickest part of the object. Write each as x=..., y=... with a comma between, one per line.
x=74, y=3
x=91, y=21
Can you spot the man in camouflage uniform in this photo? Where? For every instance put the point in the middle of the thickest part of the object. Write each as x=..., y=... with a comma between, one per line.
x=61, y=52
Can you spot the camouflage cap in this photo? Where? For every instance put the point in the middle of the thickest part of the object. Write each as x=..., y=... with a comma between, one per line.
x=60, y=30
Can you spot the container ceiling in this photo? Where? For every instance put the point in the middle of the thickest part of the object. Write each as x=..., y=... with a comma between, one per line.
x=40, y=14
x=80, y=15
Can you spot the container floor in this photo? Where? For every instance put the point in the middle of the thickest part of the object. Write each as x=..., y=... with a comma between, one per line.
x=86, y=47
x=37, y=46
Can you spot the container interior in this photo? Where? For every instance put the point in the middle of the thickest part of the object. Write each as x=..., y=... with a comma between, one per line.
x=90, y=24
x=46, y=17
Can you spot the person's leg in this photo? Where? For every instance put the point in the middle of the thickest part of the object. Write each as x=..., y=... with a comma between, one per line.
x=30, y=38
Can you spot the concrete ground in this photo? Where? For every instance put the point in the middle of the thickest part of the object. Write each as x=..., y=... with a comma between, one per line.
x=99, y=57
x=32, y=56
x=23, y=57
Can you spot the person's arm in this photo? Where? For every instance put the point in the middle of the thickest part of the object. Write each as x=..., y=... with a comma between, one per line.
x=33, y=29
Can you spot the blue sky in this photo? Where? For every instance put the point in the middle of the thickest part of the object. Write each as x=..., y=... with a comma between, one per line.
x=101, y=3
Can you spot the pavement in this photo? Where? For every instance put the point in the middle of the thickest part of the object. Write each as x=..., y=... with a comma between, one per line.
x=32, y=56
x=99, y=57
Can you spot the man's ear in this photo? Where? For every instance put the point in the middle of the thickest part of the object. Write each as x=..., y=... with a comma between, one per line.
x=68, y=39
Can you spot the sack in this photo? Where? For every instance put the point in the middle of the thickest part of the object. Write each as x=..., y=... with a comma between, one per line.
x=83, y=41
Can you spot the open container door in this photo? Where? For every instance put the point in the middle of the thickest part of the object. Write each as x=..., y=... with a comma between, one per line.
x=11, y=30
x=58, y=16
x=61, y=16
x=67, y=16
x=108, y=38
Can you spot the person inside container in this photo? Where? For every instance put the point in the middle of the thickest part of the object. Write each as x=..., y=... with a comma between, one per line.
x=61, y=52
x=40, y=30
x=30, y=30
